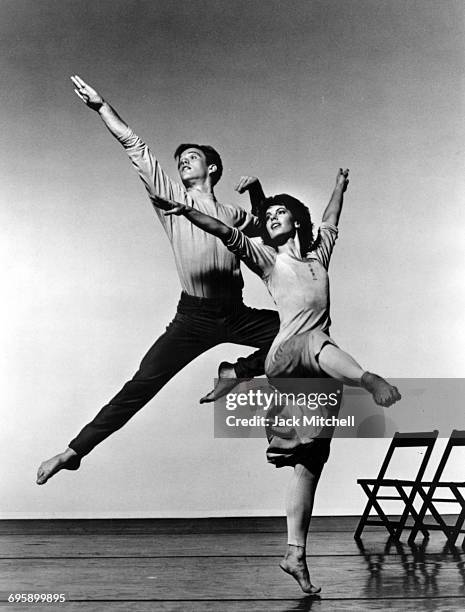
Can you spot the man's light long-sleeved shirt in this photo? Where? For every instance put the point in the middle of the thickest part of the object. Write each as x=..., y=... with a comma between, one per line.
x=206, y=268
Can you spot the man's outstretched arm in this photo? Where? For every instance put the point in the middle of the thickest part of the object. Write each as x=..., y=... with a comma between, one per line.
x=94, y=100
x=333, y=210
x=156, y=181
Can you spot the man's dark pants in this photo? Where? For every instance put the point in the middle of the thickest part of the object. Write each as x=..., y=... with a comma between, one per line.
x=199, y=324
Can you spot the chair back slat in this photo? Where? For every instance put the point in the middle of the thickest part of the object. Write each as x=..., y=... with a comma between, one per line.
x=457, y=438
x=415, y=439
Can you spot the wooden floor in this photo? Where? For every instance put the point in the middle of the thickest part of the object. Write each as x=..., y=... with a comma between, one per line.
x=221, y=565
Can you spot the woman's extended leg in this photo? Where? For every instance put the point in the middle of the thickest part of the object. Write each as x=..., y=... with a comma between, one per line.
x=299, y=506
x=341, y=366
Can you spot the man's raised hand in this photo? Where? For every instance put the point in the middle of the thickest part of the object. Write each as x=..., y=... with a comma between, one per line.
x=87, y=93
x=255, y=189
x=246, y=183
x=342, y=178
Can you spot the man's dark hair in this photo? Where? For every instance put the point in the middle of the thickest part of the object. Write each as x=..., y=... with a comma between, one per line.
x=211, y=156
x=300, y=213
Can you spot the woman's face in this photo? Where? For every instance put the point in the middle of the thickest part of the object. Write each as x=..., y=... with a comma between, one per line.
x=279, y=222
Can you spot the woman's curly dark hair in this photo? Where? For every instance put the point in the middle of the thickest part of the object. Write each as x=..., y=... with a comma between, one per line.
x=300, y=213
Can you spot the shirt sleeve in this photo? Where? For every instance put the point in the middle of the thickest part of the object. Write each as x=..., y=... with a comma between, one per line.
x=327, y=237
x=155, y=179
x=257, y=256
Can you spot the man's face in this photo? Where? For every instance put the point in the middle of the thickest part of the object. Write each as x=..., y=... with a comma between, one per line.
x=192, y=165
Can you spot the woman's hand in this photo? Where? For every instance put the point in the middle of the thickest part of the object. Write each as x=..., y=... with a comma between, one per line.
x=342, y=179
x=169, y=206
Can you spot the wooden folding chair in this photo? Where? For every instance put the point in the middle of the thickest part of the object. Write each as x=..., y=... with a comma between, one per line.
x=427, y=491
x=415, y=440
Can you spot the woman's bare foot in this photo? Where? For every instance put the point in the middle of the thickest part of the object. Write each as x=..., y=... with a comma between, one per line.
x=227, y=380
x=295, y=564
x=383, y=393
x=68, y=460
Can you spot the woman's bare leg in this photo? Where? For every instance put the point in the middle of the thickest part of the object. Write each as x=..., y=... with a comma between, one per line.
x=341, y=366
x=299, y=506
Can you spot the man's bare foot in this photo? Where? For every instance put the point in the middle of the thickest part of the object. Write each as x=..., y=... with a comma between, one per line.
x=68, y=460
x=383, y=393
x=227, y=380
x=295, y=564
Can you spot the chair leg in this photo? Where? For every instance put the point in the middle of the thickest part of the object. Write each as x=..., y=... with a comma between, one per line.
x=447, y=530
x=362, y=521
x=409, y=509
x=461, y=518
x=384, y=519
x=371, y=504
x=418, y=525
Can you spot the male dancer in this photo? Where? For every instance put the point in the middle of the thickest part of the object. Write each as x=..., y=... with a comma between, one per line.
x=210, y=310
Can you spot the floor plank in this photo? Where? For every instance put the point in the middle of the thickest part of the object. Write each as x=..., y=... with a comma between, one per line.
x=203, y=545
x=230, y=578
x=302, y=604
x=257, y=524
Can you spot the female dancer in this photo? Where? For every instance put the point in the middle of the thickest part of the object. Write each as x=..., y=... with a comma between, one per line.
x=294, y=268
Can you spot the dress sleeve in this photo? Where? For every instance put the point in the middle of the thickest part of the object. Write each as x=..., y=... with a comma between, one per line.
x=155, y=179
x=327, y=237
x=257, y=256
